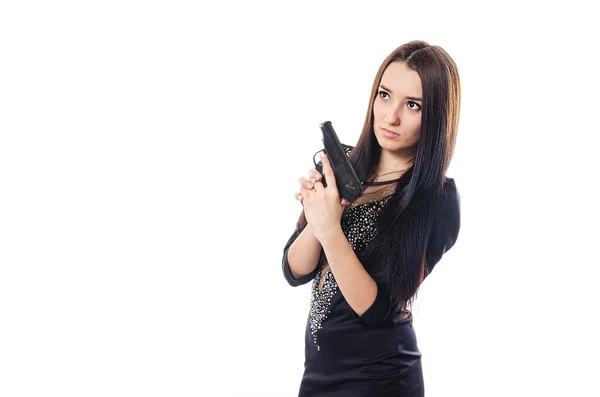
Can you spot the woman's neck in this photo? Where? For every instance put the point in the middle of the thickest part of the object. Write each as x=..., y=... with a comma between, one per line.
x=390, y=162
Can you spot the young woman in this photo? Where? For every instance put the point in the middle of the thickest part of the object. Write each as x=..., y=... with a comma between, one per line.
x=367, y=259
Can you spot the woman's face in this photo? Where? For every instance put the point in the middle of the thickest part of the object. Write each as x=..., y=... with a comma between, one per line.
x=397, y=109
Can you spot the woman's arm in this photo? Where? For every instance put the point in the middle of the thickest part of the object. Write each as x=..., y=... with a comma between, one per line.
x=355, y=283
x=302, y=251
x=323, y=213
x=303, y=255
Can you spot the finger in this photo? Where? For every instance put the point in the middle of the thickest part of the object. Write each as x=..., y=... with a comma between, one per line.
x=299, y=196
x=314, y=175
x=327, y=170
x=345, y=202
x=305, y=193
x=305, y=183
x=317, y=187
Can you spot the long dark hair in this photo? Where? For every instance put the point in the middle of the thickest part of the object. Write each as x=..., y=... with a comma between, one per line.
x=396, y=256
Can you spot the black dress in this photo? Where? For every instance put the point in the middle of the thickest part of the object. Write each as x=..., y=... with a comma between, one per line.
x=375, y=354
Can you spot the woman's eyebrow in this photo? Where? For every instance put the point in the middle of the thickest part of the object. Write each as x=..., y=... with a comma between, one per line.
x=412, y=98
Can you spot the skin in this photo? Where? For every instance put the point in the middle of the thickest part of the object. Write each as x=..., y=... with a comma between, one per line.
x=397, y=109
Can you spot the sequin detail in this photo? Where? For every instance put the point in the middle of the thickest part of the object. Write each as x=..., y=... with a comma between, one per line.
x=320, y=301
x=359, y=226
x=360, y=223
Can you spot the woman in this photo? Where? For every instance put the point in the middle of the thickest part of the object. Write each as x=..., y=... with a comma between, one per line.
x=367, y=259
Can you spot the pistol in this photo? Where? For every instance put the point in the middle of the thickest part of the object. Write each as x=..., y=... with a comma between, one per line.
x=348, y=184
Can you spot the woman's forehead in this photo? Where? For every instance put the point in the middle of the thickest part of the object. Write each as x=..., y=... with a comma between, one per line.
x=401, y=79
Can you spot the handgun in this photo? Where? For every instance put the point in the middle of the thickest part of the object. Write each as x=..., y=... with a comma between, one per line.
x=349, y=185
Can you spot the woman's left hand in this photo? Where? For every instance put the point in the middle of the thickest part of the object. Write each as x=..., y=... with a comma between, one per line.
x=322, y=205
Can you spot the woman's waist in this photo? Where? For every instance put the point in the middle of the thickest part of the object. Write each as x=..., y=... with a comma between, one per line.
x=348, y=337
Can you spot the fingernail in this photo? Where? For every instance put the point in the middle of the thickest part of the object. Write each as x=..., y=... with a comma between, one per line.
x=322, y=155
x=298, y=196
x=309, y=185
x=345, y=202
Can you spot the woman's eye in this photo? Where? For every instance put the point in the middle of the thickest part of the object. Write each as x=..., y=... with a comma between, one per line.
x=413, y=105
x=383, y=95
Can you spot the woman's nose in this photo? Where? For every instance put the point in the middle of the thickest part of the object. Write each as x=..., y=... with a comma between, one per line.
x=393, y=116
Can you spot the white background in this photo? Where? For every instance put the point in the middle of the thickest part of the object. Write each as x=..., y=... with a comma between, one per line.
x=149, y=156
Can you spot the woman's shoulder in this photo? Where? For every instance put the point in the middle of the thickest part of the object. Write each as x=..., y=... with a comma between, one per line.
x=449, y=190
x=450, y=200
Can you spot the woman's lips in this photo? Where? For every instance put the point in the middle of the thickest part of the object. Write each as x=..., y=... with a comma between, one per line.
x=389, y=134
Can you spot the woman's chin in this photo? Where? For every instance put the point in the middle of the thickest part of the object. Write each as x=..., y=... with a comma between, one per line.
x=387, y=145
